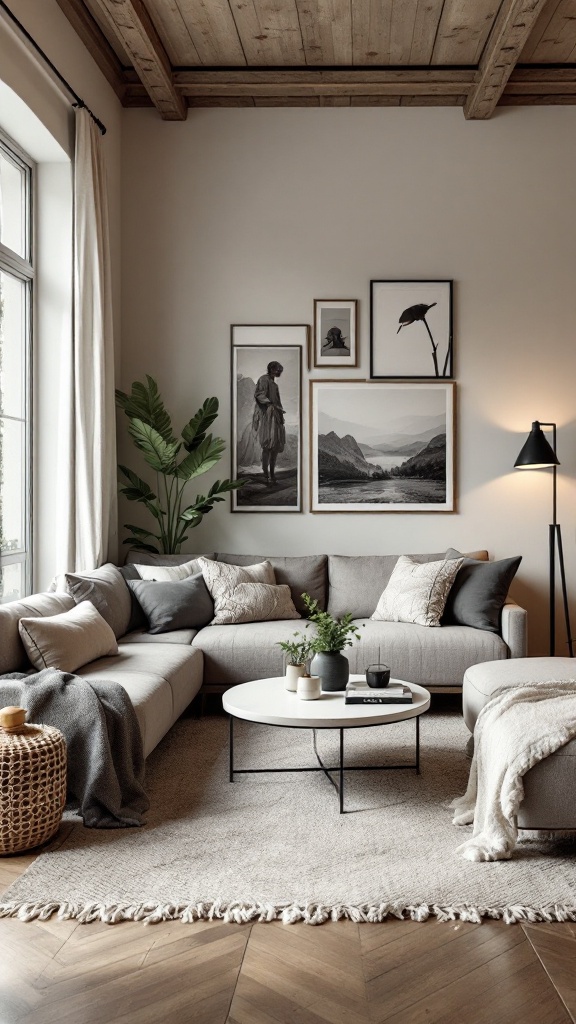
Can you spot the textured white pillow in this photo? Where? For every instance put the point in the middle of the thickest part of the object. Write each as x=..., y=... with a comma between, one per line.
x=68, y=640
x=168, y=573
x=246, y=593
x=417, y=591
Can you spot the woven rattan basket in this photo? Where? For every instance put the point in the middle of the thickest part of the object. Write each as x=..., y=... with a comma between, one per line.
x=32, y=781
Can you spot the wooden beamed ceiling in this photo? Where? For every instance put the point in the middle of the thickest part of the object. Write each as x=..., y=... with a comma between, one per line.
x=477, y=54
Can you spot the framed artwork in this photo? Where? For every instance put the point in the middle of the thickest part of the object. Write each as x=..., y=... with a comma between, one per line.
x=267, y=418
x=335, y=332
x=411, y=329
x=378, y=447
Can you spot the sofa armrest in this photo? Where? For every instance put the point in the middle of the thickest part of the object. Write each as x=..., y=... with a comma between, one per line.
x=515, y=629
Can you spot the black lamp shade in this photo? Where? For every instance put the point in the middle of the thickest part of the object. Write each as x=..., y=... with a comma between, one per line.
x=537, y=451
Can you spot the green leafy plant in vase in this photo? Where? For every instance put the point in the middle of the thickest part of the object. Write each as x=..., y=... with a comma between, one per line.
x=331, y=637
x=176, y=461
x=297, y=653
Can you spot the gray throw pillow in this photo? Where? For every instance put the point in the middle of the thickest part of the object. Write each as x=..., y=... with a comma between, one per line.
x=137, y=618
x=177, y=604
x=479, y=592
x=106, y=589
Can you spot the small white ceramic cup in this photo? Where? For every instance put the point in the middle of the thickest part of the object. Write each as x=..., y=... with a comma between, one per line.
x=293, y=673
x=309, y=687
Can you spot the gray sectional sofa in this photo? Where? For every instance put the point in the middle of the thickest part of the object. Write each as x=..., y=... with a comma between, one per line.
x=162, y=673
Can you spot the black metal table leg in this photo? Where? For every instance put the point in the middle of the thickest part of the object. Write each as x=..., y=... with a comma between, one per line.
x=231, y=748
x=341, y=786
x=417, y=744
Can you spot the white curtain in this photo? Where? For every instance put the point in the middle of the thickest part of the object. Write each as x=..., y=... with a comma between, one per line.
x=88, y=433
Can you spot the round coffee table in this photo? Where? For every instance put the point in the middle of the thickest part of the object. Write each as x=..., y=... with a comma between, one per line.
x=268, y=702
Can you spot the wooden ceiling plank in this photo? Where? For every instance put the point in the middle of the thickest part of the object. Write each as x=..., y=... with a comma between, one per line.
x=112, y=40
x=371, y=25
x=374, y=101
x=269, y=32
x=426, y=24
x=308, y=76
x=538, y=31
x=402, y=30
x=463, y=30
x=557, y=42
x=213, y=31
x=325, y=89
x=326, y=27
x=512, y=28
x=172, y=28
x=95, y=42
x=428, y=101
x=130, y=19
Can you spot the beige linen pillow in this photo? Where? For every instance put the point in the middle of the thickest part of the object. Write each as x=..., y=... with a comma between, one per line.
x=168, y=573
x=417, y=591
x=68, y=640
x=246, y=593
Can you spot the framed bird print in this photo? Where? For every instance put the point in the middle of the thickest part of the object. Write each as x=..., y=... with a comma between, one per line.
x=411, y=330
x=335, y=331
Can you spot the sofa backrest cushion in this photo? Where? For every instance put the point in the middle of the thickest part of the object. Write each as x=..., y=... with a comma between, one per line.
x=13, y=657
x=302, y=573
x=106, y=589
x=136, y=557
x=357, y=581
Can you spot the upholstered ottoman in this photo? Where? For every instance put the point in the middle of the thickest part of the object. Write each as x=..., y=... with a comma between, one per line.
x=549, y=787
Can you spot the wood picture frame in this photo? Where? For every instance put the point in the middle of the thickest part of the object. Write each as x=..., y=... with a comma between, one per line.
x=335, y=333
x=411, y=330
x=382, y=447
x=266, y=418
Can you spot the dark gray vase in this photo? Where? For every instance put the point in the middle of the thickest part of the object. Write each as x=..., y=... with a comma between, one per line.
x=333, y=669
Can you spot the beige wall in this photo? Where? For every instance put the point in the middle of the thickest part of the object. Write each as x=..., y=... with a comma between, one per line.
x=44, y=128
x=245, y=216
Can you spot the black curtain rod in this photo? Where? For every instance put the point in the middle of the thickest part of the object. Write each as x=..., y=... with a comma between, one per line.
x=78, y=102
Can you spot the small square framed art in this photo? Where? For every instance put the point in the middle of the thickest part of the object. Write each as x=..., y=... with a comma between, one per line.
x=335, y=332
x=411, y=330
x=381, y=447
x=266, y=445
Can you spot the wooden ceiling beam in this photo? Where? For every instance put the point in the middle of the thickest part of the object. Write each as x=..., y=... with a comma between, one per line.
x=134, y=27
x=512, y=27
x=95, y=42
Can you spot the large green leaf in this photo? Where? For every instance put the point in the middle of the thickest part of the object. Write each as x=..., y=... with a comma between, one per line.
x=138, y=531
x=139, y=545
x=195, y=431
x=199, y=461
x=139, y=490
x=159, y=454
x=144, y=403
x=205, y=502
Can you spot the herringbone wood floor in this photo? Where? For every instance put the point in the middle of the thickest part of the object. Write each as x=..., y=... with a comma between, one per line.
x=212, y=973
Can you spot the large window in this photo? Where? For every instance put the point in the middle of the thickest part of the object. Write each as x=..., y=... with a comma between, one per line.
x=16, y=276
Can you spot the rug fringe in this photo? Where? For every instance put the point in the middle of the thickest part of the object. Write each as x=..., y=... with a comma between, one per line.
x=289, y=913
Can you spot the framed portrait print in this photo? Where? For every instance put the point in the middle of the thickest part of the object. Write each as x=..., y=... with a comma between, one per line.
x=411, y=329
x=335, y=332
x=381, y=447
x=266, y=442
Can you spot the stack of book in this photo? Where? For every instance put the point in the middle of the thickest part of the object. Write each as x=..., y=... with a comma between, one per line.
x=361, y=693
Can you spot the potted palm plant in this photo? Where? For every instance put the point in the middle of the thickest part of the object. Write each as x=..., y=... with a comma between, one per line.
x=331, y=637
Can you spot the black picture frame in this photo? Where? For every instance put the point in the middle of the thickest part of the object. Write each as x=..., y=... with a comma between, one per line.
x=411, y=330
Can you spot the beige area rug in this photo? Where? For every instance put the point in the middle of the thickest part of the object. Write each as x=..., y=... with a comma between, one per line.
x=274, y=846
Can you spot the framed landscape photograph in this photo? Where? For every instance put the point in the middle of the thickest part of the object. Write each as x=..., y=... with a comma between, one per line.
x=266, y=423
x=378, y=447
x=335, y=332
x=411, y=329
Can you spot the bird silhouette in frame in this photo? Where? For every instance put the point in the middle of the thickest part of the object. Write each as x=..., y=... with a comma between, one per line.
x=411, y=316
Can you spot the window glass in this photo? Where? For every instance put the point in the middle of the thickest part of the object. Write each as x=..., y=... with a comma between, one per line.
x=12, y=582
x=13, y=205
x=12, y=486
x=13, y=345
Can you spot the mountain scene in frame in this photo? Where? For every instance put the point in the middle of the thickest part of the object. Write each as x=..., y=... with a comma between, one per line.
x=382, y=447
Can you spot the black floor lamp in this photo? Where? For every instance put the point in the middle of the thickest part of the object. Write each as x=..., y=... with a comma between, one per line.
x=538, y=454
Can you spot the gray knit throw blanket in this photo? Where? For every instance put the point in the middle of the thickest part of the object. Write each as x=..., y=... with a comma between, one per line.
x=105, y=756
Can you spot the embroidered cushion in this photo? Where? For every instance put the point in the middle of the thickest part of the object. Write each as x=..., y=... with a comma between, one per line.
x=417, y=591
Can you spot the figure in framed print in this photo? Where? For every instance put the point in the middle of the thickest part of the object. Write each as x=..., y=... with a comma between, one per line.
x=335, y=332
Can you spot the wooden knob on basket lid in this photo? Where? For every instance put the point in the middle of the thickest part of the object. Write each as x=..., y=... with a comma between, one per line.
x=12, y=718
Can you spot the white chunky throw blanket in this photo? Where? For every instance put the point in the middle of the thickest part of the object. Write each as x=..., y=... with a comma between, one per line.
x=518, y=727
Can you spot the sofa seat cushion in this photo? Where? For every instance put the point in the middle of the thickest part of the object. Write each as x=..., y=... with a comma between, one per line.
x=430, y=657
x=160, y=679
x=302, y=573
x=176, y=636
x=238, y=653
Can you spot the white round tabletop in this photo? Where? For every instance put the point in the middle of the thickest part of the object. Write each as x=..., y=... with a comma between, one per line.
x=269, y=702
